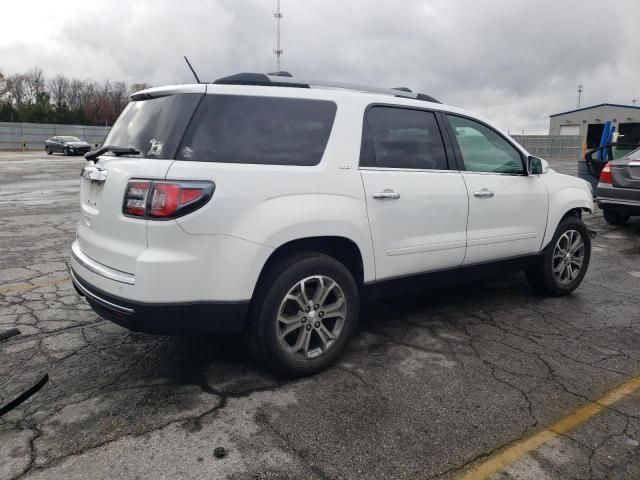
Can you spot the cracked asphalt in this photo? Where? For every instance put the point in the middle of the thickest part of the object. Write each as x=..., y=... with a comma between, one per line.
x=432, y=386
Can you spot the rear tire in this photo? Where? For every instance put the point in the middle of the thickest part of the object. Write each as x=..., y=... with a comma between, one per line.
x=295, y=328
x=564, y=262
x=614, y=217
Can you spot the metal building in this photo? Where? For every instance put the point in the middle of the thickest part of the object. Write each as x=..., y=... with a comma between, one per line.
x=588, y=123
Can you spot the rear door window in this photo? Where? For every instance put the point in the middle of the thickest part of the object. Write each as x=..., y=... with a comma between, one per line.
x=258, y=130
x=396, y=137
x=155, y=126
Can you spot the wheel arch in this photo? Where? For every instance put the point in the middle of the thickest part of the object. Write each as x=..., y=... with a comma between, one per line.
x=569, y=201
x=575, y=212
x=343, y=249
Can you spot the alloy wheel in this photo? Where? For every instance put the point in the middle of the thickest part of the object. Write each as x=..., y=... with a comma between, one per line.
x=568, y=256
x=311, y=317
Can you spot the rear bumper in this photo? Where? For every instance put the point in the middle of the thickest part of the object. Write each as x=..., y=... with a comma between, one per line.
x=622, y=205
x=608, y=192
x=224, y=318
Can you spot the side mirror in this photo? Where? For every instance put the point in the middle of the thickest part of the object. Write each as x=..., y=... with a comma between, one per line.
x=536, y=166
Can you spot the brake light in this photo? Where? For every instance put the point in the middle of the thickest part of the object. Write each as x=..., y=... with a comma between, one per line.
x=605, y=174
x=165, y=199
x=135, y=198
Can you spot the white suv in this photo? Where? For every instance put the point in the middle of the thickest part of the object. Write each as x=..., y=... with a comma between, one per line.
x=272, y=207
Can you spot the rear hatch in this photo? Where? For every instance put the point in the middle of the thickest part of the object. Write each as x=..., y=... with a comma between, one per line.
x=626, y=171
x=153, y=124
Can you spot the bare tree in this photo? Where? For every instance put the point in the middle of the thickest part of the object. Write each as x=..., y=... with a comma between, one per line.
x=89, y=94
x=104, y=100
x=31, y=97
x=136, y=87
x=89, y=90
x=118, y=96
x=34, y=85
x=58, y=88
x=3, y=86
x=16, y=90
x=75, y=94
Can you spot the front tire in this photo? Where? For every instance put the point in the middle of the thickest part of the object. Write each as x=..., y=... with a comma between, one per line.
x=564, y=262
x=614, y=217
x=305, y=310
x=66, y=152
x=48, y=150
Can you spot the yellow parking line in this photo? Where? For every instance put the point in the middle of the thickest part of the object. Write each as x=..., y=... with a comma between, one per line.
x=24, y=287
x=514, y=452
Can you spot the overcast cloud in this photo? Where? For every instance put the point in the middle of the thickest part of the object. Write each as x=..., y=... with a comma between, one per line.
x=513, y=61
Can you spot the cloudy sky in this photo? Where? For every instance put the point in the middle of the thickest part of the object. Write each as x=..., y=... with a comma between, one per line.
x=514, y=61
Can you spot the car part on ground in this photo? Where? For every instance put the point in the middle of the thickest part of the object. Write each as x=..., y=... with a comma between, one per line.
x=219, y=452
x=17, y=399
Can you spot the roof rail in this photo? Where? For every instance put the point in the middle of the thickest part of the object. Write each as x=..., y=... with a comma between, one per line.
x=281, y=79
x=260, y=79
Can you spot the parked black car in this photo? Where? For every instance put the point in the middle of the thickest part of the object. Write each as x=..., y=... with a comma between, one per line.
x=66, y=145
x=618, y=192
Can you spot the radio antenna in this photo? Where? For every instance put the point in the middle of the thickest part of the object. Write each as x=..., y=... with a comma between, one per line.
x=278, y=50
x=191, y=68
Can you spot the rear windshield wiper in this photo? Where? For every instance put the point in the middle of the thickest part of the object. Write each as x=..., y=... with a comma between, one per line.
x=93, y=155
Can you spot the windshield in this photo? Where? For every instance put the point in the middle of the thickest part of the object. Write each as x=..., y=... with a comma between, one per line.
x=154, y=127
x=70, y=139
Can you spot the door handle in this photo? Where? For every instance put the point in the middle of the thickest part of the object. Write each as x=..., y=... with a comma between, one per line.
x=387, y=193
x=484, y=193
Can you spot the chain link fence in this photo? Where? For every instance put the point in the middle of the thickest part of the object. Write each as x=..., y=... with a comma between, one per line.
x=552, y=147
x=31, y=136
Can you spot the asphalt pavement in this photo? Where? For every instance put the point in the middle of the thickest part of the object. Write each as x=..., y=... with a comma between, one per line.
x=482, y=379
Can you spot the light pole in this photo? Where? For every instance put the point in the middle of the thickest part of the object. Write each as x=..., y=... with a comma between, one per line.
x=580, y=89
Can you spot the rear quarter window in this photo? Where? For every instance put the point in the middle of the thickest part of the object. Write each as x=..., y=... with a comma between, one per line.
x=258, y=130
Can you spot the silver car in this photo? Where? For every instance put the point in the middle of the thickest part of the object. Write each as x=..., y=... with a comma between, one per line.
x=618, y=192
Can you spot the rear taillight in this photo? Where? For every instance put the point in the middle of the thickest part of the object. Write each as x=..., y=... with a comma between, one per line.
x=135, y=198
x=165, y=199
x=605, y=174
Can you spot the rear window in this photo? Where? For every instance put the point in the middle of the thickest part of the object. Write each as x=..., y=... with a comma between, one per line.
x=258, y=130
x=154, y=127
